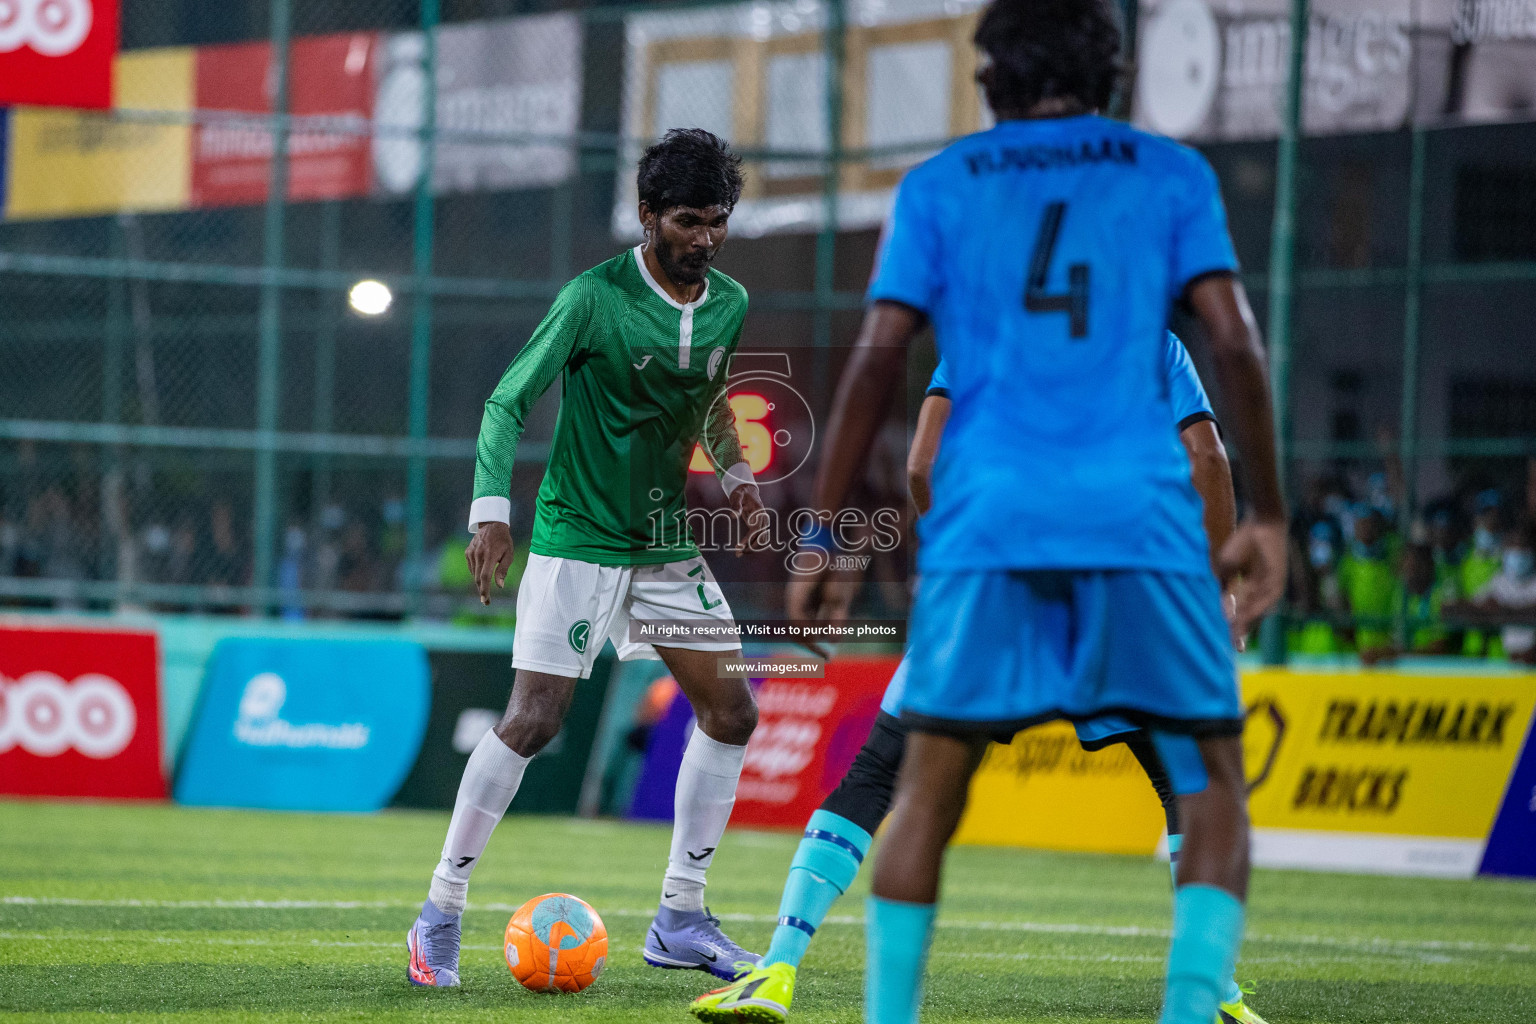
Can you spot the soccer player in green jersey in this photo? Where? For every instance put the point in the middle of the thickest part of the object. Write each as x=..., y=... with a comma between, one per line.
x=641, y=345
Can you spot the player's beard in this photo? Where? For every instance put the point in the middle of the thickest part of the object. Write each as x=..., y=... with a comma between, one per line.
x=686, y=266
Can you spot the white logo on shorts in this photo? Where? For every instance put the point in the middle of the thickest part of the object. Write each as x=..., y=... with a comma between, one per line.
x=53, y=28
x=45, y=716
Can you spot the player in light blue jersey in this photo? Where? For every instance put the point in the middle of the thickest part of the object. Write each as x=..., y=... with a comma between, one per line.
x=1064, y=574
x=839, y=834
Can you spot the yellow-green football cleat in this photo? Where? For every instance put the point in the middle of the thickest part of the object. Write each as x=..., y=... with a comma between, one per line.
x=1239, y=1012
x=761, y=996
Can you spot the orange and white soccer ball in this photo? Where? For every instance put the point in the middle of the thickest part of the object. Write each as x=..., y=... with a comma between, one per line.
x=556, y=943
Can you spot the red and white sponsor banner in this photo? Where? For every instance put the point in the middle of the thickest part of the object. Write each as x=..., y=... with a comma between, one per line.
x=330, y=97
x=79, y=713
x=57, y=53
x=807, y=734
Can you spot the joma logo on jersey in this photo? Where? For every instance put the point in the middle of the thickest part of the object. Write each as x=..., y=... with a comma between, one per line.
x=715, y=359
x=577, y=635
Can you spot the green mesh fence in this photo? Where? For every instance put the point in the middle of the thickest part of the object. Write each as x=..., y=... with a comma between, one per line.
x=194, y=417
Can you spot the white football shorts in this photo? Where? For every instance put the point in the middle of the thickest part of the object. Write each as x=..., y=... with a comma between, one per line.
x=566, y=609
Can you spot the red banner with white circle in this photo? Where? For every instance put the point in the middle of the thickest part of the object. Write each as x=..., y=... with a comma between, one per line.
x=79, y=713
x=57, y=53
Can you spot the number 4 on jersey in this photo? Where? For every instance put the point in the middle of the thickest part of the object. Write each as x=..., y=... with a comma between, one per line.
x=1073, y=302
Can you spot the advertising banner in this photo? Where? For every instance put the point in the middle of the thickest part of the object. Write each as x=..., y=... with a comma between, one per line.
x=305, y=725
x=72, y=163
x=330, y=96
x=1044, y=790
x=508, y=104
x=756, y=75
x=1377, y=771
x=1369, y=771
x=1512, y=844
x=1487, y=50
x=1215, y=70
x=469, y=693
x=57, y=53
x=79, y=713
x=808, y=732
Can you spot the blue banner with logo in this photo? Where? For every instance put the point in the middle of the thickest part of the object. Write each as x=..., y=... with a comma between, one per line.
x=1511, y=848
x=306, y=725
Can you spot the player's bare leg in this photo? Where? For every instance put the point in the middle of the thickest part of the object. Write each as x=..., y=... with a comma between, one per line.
x=930, y=798
x=534, y=714
x=684, y=935
x=1212, y=884
x=1215, y=820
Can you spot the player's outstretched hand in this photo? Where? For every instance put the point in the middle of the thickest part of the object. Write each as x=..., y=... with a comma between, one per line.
x=1252, y=567
x=490, y=556
x=747, y=502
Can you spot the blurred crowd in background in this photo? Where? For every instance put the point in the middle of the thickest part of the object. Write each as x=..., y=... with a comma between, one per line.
x=1456, y=578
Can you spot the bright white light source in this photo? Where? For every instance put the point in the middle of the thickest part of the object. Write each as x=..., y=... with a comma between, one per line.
x=370, y=298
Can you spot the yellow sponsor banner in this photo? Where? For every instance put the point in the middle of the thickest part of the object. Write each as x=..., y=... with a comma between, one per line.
x=1045, y=790
x=1383, y=752
x=1380, y=753
x=77, y=163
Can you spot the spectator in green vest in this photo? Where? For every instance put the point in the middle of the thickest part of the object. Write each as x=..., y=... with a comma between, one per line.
x=1445, y=549
x=1318, y=598
x=1369, y=583
x=1423, y=598
x=1513, y=590
x=1480, y=567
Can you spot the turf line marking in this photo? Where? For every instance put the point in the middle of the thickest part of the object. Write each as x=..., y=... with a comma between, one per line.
x=1035, y=927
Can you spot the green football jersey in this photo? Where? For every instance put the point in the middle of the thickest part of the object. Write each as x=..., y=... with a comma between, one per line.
x=643, y=382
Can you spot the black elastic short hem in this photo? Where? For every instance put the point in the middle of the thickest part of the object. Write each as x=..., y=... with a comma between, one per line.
x=937, y=393
x=1104, y=742
x=1004, y=731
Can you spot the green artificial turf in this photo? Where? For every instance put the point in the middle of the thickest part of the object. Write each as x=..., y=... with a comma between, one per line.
x=142, y=912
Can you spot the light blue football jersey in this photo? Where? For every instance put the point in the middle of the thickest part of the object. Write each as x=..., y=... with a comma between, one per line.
x=1048, y=255
x=1186, y=392
x=1186, y=396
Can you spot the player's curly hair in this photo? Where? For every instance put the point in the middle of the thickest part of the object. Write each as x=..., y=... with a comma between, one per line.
x=1044, y=49
x=689, y=167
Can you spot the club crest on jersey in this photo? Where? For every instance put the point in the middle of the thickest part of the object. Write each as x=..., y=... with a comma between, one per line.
x=579, y=631
x=715, y=359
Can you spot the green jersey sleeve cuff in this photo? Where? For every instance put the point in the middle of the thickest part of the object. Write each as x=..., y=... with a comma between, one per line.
x=739, y=474
x=489, y=509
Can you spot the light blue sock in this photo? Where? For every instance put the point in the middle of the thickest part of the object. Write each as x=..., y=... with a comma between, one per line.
x=1207, y=929
x=898, y=935
x=1175, y=844
x=824, y=867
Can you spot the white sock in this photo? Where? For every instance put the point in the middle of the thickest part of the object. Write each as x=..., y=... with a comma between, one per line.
x=706, y=792
x=490, y=781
